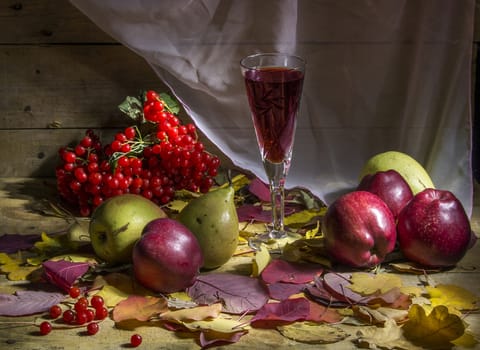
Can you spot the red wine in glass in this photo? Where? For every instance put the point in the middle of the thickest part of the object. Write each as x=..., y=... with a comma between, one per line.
x=273, y=83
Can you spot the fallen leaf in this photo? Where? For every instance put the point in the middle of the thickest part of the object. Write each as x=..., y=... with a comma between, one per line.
x=16, y=268
x=410, y=267
x=303, y=217
x=387, y=337
x=369, y=283
x=261, y=260
x=321, y=313
x=259, y=189
x=238, y=294
x=285, y=311
x=284, y=271
x=452, y=296
x=436, y=329
x=192, y=314
x=116, y=287
x=283, y=290
x=23, y=303
x=308, y=250
x=219, y=324
x=212, y=338
x=380, y=315
x=141, y=308
x=64, y=273
x=12, y=243
x=313, y=333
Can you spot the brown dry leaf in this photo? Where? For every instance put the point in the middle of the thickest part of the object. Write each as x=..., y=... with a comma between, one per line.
x=437, y=329
x=139, y=308
x=367, y=283
x=380, y=315
x=387, y=337
x=410, y=267
x=193, y=314
x=454, y=297
x=313, y=333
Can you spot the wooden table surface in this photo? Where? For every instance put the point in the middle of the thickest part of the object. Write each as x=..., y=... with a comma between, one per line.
x=20, y=200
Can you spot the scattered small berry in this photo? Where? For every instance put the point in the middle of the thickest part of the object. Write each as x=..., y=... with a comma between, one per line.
x=92, y=328
x=45, y=327
x=74, y=292
x=55, y=311
x=135, y=340
x=101, y=313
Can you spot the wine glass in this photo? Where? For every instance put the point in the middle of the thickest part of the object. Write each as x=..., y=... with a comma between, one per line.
x=274, y=83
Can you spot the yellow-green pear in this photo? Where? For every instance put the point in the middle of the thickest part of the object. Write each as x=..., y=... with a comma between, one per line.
x=213, y=219
x=412, y=171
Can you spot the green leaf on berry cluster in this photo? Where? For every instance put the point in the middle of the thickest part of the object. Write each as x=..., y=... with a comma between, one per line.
x=171, y=104
x=132, y=107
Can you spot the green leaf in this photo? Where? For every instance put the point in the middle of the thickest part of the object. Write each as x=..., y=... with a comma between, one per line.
x=132, y=107
x=169, y=102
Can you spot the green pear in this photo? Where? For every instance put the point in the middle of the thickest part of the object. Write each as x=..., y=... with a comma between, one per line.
x=213, y=219
x=117, y=224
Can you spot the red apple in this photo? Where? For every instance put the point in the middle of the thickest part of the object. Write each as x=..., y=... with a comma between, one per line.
x=167, y=257
x=433, y=229
x=359, y=229
x=390, y=186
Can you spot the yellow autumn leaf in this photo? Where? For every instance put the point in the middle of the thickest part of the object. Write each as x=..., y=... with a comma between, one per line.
x=193, y=314
x=452, y=296
x=219, y=324
x=116, y=287
x=16, y=268
x=438, y=328
x=303, y=217
x=313, y=232
x=261, y=259
x=367, y=283
x=308, y=250
x=238, y=182
x=177, y=205
x=48, y=243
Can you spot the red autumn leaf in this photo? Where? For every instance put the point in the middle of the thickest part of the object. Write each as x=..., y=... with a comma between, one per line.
x=337, y=285
x=238, y=294
x=286, y=311
x=139, y=308
x=292, y=272
x=393, y=298
x=320, y=295
x=320, y=313
x=282, y=290
x=249, y=212
x=260, y=189
x=64, y=273
x=12, y=243
x=24, y=303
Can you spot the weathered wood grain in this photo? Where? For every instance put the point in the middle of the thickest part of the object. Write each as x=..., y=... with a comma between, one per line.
x=52, y=21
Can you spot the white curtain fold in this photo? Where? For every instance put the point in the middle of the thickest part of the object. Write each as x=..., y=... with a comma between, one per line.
x=381, y=75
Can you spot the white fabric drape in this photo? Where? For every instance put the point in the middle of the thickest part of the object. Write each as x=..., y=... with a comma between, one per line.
x=381, y=75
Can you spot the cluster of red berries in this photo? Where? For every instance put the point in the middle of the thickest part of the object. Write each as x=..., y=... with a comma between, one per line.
x=167, y=157
x=83, y=312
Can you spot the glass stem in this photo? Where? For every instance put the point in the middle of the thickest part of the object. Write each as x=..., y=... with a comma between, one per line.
x=278, y=206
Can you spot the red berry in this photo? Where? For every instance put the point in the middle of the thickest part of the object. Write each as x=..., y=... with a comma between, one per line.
x=55, y=311
x=90, y=315
x=92, y=328
x=45, y=328
x=97, y=301
x=135, y=340
x=68, y=316
x=82, y=317
x=101, y=313
x=74, y=292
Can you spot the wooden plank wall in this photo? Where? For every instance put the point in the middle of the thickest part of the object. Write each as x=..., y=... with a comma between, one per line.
x=59, y=75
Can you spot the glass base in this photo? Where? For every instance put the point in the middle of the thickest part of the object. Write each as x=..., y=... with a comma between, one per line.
x=267, y=238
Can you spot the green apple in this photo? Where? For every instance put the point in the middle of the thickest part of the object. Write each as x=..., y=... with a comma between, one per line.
x=117, y=224
x=412, y=171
